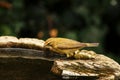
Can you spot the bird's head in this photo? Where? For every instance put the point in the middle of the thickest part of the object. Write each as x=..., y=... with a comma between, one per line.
x=48, y=44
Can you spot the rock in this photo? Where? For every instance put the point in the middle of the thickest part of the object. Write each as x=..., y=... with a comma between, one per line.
x=99, y=68
x=13, y=42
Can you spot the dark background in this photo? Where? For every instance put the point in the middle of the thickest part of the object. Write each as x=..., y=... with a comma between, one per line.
x=82, y=20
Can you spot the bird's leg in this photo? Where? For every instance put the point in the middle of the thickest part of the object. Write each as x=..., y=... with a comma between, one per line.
x=69, y=55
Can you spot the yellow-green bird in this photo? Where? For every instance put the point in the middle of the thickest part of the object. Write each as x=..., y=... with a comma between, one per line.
x=66, y=46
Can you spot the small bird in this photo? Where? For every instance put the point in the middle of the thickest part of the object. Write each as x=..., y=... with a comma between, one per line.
x=66, y=46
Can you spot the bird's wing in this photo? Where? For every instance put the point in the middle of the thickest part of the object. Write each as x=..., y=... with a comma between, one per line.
x=68, y=45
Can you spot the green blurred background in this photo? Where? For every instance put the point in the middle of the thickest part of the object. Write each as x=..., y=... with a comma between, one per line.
x=82, y=20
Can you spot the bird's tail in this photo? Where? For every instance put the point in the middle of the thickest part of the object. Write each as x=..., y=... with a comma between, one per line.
x=92, y=44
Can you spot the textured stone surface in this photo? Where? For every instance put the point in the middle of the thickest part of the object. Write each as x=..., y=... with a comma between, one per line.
x=13, y=42
x=99, y=68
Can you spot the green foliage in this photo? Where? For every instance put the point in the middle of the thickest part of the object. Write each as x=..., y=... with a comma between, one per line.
x=5, y=30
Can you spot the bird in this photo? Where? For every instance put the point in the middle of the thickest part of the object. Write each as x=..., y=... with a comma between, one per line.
x=65, y=46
